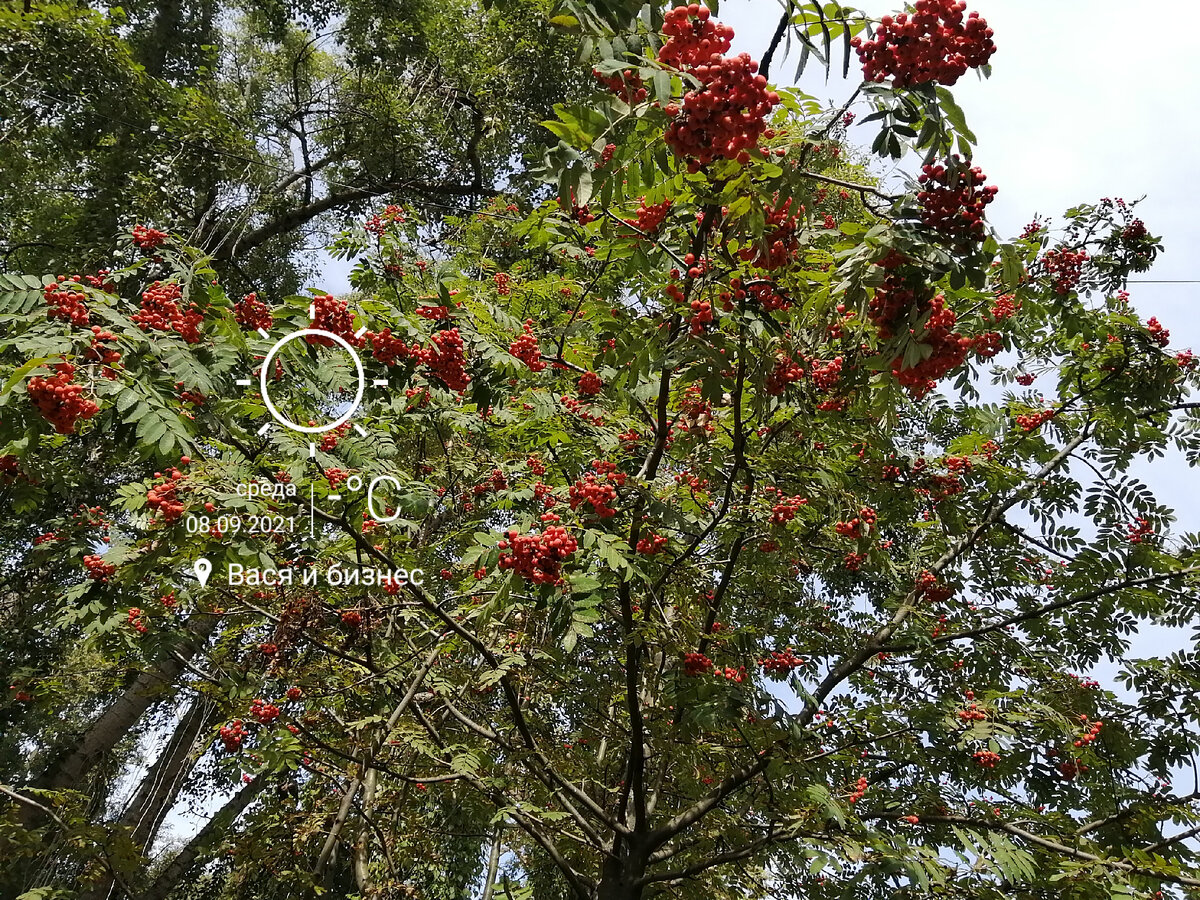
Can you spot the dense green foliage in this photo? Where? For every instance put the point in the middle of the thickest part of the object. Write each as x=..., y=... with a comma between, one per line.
x=772, y=526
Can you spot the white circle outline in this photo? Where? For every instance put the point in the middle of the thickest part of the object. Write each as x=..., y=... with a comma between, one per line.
x=354, y=483
x=371, y=498
x=311, y=429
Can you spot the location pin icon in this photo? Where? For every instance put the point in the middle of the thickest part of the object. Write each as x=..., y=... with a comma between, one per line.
x=203, y=569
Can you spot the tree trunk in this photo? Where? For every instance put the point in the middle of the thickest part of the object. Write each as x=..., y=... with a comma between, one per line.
x=114, y=723
x=620, y=874
x=156, y=794
x=212, y=832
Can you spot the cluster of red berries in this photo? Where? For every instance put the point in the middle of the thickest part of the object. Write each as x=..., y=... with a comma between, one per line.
x=98, y=569
x=448, y=361
x=294, y=693
x=1005, y=307
x=787, y=371
x=928, y=587
x=1091, y=734
x=651, y=544
x=390, y=350
x=765, y=292
x=650, y=216
x=627, y=85
x=160, y=311
x=252, y=314
x=696, y=664
x=1064, y=268
x=526, y=349
x=953, y=198
x=100, y=353
x=378, y=224
x=503, y=283
x=433, y=313
x=537, y=557
x=330, y=439
x=164, y=496
x=268, y=649
x=934, y=43
x=780, y=239
x=781, y=662
x=264, y=712
x=693, y=37
x=785, y=509
x=65, y=303
x=972, y=712
x=148, y=239
x=1158, y=334
x=949, y=351
x=335, y=477
x=590, y=384
x=332, y=315
x=701, y=317
x=10, y=465
x=857, y=526
x=60, y=401
x=232, y=735
x=860, y=789
x=1139, y=531
x=986, y=759
x=136, y=620
x=826, y=375
x=1034, y=421
x=598, y=494
x=726, y=117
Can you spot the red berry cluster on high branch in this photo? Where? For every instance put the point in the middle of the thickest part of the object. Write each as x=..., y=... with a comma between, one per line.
x=60, y=401
x=1158, y=334
x=1064, y=268
x=252, y=314
x=590, y=384
x=265, y=713
x=161, y=312
x=99, y=352
x=65, y=303
x=651, y=544
x=97, y=568
x=148, y=239
x=598, y=489
x=503, y=283
x=433, y=313
x=933, y=43
x=446, y=359
x=537, y=557
x=787, y=371
x=526, y=349
x=781, y=662
x=627, y=85
x=379, y=223
x=163, y=497
x=780, y=239
x=693, y=37
x=650, y=216
x=953, y=197
x=332, y=315
x=727, y=115
x=232, y=735
x=897, y=306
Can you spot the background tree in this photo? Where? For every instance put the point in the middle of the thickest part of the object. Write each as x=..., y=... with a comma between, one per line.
x=772, y=524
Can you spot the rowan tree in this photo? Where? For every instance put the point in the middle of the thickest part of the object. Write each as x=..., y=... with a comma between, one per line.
x=774, y=522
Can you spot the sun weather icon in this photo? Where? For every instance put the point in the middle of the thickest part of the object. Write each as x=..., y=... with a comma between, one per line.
x=345, y=409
